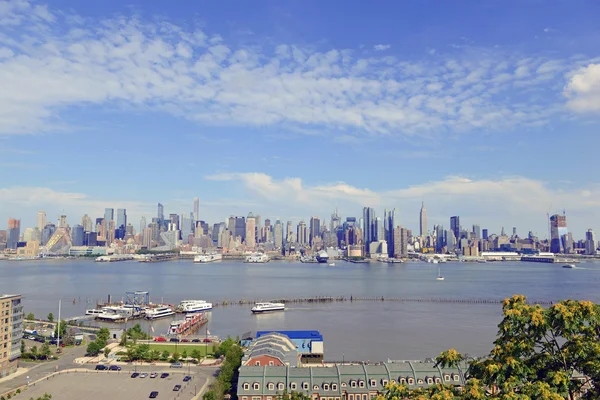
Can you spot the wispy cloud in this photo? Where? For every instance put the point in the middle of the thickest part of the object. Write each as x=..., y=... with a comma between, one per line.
x=51, y=60
x=381, y=47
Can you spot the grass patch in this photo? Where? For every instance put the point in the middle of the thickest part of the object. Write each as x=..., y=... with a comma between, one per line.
x=171, y=348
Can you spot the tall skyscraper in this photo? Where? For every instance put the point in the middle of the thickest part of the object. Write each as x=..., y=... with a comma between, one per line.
x=47, y=233
x=455, y=226
x=558, y=231
x=250, y=231
x=477, y=231
x=109, y=215
x=423, y=220
x=389, y=225
x=121, y=218
x=41, y=220
x=62, y=221
x=379, y=229
x=301, y=233
x=147, y=237
x=335, y=220
x=186, y=226
x=86, y=222
x=278, y=234
x=240, y=228
x=591, y=244
x=77, y=235
x=161, y=213
x=289, y=232
x=315, y=229
x=196, y=209
x=368, y=224
x=14, y=231
x=484, y=234
x=143, y=224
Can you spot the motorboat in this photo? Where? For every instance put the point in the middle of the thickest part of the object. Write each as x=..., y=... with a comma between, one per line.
x=440, y=277
x=322, y=256
x=331, y=264
x=267, y=307
x=194, y=306
x=569, y=266
x=257, y=258
x=206, y=258
x=159, y=312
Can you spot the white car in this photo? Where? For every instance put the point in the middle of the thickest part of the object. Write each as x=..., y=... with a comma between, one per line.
x=143, y=375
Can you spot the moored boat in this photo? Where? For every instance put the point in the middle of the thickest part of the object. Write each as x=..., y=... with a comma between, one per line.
x=159, y=312
x=257, y=258
x=206, y=258
x=267, y=307
x=191, y=321
x=194, y=306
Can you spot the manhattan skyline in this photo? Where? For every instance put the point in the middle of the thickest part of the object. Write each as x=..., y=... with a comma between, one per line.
x=293, y=110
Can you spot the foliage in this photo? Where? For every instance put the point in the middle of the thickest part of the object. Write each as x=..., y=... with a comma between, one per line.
x=30, y=317
x=136, y=333
x=45, y=351
x=45, y=396
x=62, y=325
x=94, y=348
x=196, y=355
x=224, y=347
x=175, y=357
x=293, y=395
x=226, y=382
x=103, y=335
x=184, y=354
x=106, y=352
x=22, y=347
x=50, y=317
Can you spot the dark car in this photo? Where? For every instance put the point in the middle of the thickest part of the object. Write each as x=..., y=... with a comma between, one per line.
x=186, y=378
x=135, y=375
x=154, y=394
x=101, y=367
x=53, y=342
x=39, y=339
x=173, y=339
x=164, y=375
x=196, y=341
x=177, y=388
x=114, y=368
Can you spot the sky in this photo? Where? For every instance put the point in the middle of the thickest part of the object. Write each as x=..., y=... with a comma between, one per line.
x=488, y=110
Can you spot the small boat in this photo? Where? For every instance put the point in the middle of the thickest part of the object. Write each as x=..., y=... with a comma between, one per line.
x=331, y=264
x=569, y=266
x=267, y=307
x=439, y=277
x=159, y=312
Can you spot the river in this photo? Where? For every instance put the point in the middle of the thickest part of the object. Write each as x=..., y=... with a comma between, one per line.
x=359, y=330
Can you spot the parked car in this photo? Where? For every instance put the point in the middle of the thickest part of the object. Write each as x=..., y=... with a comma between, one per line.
x=154, y=394
x=177, y=365
x=39, y=339
x=143, y=375
x=173, y=339
x=164, y=375
x=114, y=368
x=196, y=341
x=101, y=367
x=153, y=375
x=135, y=375
x=207, y=340
x=160, y=339
x=53, y=342
x=185, y=340
x=187, y=378
x=177, y=388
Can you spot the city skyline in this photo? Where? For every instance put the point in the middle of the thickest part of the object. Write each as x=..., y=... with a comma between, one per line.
x=266, y=104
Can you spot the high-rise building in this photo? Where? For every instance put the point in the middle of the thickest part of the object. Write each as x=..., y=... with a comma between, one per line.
x=121, y=218
x=301, y=233
x=258, y=223
x=186, y=226
x=335, y=221
x=289, y=232
x=379, y=230
x=278, y=234
x=109, y=215
x=477, y=231
x=77, y=235
x=87, y=223
x=91, y=239
x=110, y=232
x=47, y=233
x=400, y=239
x=514, y=235
x=440, y=238
x=423, y=220
x=161, y=213
x=12, y=333
x=484, y=234
x=240, y=228
x=147, y=237
x=250, y=231
x=368, y=225
x=389, y=225
x=41, y=220
x=14, y=232
x=143, y=224
x=591, y=244
x=455, y=226
x=62, y=222
x=558, y=229
x=196, y=209
x=174, y=220
x=315, y=229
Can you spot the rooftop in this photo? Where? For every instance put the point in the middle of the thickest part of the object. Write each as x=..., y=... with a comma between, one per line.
x=314, y=335
x=8, y=296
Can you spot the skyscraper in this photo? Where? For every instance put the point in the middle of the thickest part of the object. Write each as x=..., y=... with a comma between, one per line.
x=143, y=224
x=161, y=213
x=186, y=227
x=41, y=220
x=301, y=233
x=240, y=228
x=484, y=234
x=62, y=221
x=455, y=226
x=77, y=235
x=558, y=230
x=121, y=218
x=590, y=242
x=250, y=231
x=109, y=215
x=477, y=231
x=389, y=225
x=368, y=222
x=335, y=220
x=278, y=234
x=423, y=220
x=379, y=230
x=14, y=231
x=196, y=208
x=289, y=232
x=47, y=233
x=86, y=222
x=315, y=229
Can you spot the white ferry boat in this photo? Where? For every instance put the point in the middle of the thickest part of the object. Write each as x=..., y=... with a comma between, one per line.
x=93, y=311
x=116, y=313
x=159, y=312
x=194, y=306
x=206, y=258
x=257, y=258
x=267, y=307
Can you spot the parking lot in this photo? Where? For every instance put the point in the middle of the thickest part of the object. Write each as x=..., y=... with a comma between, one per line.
x=116, y=386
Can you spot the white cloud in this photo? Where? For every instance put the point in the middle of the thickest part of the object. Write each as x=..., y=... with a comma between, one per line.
x=381, y=47
x=583, y=89
x=51, y=61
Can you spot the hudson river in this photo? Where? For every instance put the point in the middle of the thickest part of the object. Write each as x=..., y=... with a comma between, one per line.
x=359, y=330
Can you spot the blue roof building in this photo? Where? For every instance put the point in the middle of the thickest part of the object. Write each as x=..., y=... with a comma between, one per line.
x=308, y=343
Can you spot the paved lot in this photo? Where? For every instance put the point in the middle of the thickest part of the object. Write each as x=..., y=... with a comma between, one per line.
x=115, y=386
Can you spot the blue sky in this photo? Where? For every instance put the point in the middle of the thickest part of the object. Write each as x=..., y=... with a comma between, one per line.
x=487, y=110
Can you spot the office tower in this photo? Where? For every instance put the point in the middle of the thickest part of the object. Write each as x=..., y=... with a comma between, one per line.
x=368, y=222
x=484, y=234
x=196, y=209
x=91, y=239
x=400, y=239
x=77, y=235
x=240, y=228
x=186, y=226
x=590, y=242
x=335, y=221
x=47, y=233
x=502, y=233
x=143, y=224
x=289, y=232
x=378, y=230
x=267, y=231
x=109, y=215
x=155, y=231
x=278, y=234
x=121, y=218
x=10, y=340
x=218, y=228
x=250, y=231
x=147, y=237
x=86, y=222
x=231, y=224
x=110, y=232
x=315, y=229
x=174, y=220
x=41, y=220
x=558, y=228
x=423, y=220
x=258, y=223
x=450, y=240
x=62, y=222
x=161, y=213
x=455, y=226
x=14, y=232
x=27, y=234
x=514, y=235
x=36, y=235
x=477, y=231
x=389, y=225
x=301, y=233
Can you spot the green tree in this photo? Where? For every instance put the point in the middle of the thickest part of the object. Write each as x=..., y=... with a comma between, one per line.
x=165, y=355
x=224, y=347
x=153, y=355
x=33, y=352
x=30, y=317
x=196, y=355
x=106, y=352
x=23, y=347
x=60, y=327
x=51, y=317
x=45, y=351
x=93, y=349
x=103, y=335
x=175, y=357
x=184, y=354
